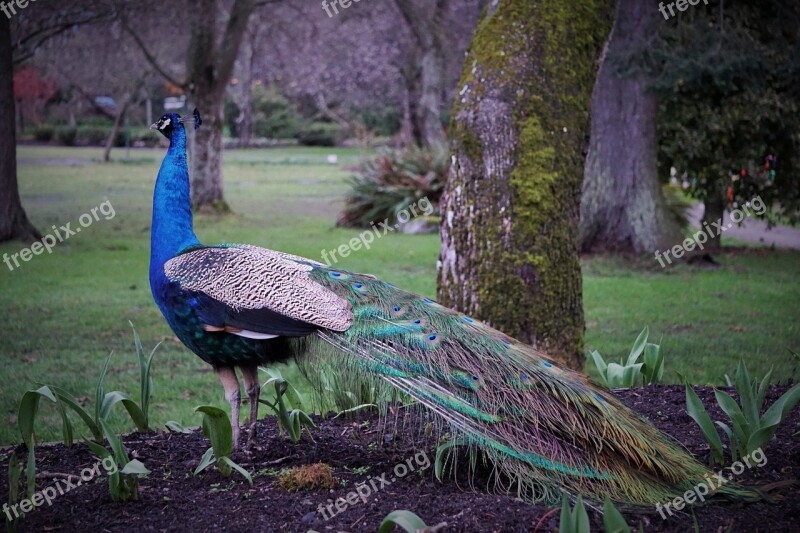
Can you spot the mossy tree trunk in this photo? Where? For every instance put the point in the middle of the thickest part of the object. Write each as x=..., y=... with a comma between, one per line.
x=622, y=206
x=510, y=212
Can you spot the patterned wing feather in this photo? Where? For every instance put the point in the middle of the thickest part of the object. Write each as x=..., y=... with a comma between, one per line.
x=247, y=278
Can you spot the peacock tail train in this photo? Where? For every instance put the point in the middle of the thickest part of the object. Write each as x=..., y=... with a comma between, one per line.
x=547, y=428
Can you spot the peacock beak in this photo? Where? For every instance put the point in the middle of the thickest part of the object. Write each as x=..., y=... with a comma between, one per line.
x=154, y=126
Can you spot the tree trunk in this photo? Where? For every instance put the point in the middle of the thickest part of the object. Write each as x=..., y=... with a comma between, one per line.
x=206, y=160
x=713, y=211
x=209, y=66
x=123, y=108
x=245, y=118
x=14, y=222
x=510, y=211
x=428, y=32
x=622, y=206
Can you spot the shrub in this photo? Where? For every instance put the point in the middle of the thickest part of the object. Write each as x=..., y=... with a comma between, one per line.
x=390, y=182
x=320, y=134
x=632, y=373
x=383, y=121
x=274, y=116
x=44, y=133
x=748, y=430
x=66, y=135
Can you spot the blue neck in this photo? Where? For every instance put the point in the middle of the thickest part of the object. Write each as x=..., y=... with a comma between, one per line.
x=171, y=229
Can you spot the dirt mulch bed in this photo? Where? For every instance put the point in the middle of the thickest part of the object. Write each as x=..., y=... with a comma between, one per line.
x=365, y=453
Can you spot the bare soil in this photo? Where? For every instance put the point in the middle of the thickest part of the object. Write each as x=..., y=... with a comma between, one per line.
x=365, y=452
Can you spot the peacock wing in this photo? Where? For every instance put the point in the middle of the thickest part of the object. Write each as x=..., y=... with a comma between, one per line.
x=261, y=291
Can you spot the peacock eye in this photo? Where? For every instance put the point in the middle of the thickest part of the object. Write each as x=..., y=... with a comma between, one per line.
x=358, y=285
x=418, y=321
x=548, y=365
x=396, y=308
x=468, y=319
x=432, y=337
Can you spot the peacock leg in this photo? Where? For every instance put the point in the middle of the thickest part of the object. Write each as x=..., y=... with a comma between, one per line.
x=227, y=375
x=253, y=389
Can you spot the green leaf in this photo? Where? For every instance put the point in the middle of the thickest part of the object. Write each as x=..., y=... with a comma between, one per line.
x=638, y=346
x=699, y=414
x=356, y=409
x=762, y=389
x=176, y=427
x=613, y=521
x=580, y=516
x=631, y=374
x=747, y=396
x=99, y=393
x=217, y=427
x=733, y=442
x=653, y=368
x=30, y=470
x=740, y=425
x=120, y=453
x=28, y=409
x=615, y=375
x=71, y=402
x=772, y=419
x=229, y=462
x=601, y=366
x=406, y=520
x=135, y=467
x=440, y=460
x=113, y=398
x=206, y=461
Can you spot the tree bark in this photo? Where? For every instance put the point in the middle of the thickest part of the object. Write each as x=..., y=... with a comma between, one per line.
x=510, y=210
x=209, y=66
x=622, y=206
x=14, y=222
x=428, y=32
x=123, y=108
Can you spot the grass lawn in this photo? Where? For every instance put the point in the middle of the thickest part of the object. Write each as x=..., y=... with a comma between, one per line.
x=66, y=311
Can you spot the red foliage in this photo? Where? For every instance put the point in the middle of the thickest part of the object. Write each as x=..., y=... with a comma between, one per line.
x=32, y=91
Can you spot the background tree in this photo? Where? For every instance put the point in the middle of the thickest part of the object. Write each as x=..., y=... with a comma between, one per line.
x=622, y=206
x=210, y=58
x=18, y=44
x=728, y=77
x=425, y=71
x=510, y=217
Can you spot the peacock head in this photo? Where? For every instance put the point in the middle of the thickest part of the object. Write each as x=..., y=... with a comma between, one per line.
x=168, y=122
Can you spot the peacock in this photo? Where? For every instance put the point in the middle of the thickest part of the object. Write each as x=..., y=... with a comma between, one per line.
x=547, y=428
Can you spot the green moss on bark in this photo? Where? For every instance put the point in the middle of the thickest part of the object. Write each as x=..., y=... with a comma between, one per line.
x=514, y=231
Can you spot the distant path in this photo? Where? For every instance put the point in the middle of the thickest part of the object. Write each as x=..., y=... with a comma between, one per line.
x=752, y=230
